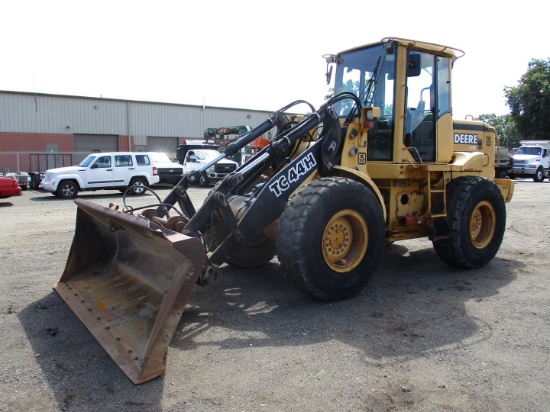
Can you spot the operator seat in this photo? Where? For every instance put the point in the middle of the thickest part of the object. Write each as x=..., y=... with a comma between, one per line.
x=414, y=117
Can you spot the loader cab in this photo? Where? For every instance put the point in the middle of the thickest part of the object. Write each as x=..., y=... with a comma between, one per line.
x=410, y=83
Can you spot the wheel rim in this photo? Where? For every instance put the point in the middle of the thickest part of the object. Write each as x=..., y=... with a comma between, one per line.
x=345, y=241
x=139, y=187
x=67, y=190
x=482, y=224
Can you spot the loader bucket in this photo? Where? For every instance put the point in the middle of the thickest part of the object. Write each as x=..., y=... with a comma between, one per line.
x=128, y=281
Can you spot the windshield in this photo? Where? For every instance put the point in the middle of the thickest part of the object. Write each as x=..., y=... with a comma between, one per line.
x=529, y=150
x=206, y=154
x=369, y=74
x=86, y=162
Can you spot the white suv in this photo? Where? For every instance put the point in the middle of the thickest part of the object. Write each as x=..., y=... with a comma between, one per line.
x=118, y=170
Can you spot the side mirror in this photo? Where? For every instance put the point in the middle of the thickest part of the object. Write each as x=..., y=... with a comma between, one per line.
x=331, y=59
x=413, y=65
x=94, y=166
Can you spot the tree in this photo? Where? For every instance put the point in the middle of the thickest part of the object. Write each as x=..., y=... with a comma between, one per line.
x=529, y=101
x=506, y=128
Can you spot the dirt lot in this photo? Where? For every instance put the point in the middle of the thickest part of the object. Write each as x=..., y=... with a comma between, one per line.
x=422, y=336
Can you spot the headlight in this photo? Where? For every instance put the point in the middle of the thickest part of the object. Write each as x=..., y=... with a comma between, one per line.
x=210, y=169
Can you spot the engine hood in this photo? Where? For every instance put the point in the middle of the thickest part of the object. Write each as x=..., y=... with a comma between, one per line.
x=525, y=157
x=66, y=169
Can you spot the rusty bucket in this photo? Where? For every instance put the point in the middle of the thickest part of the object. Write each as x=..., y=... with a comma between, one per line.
x=128, y=281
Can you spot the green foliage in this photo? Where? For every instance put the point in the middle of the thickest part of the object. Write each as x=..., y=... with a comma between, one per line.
x=529, y=101
x=506, y=128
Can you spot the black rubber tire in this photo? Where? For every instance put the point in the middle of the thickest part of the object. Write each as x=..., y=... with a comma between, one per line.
x=539, y=175
x=476, y=218
x=501, y=174
x=254, y=254
x=304, y=239
x=204, y=181
x=67, y=189
x=138, y=184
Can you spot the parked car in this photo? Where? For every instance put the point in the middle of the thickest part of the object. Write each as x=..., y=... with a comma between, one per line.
x=169, y=172
x=118, y=170
x=23, y=178
x=9, y=187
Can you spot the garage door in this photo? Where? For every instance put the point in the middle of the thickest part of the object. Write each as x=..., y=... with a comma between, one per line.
x=168, y=145
x=84, y=144
x=95, y=142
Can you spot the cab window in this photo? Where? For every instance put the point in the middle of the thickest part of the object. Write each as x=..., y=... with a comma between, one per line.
x=102, y=162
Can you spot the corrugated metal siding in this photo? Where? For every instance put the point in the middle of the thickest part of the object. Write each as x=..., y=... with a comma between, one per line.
x=27, y=113
x=41, y=113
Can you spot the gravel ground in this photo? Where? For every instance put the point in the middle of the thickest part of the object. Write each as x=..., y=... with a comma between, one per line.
x=422, y=336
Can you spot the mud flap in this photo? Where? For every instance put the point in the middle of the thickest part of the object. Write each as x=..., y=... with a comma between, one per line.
x=129, y=281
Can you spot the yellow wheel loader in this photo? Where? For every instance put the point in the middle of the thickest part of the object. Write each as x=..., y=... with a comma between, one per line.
x=381, y=161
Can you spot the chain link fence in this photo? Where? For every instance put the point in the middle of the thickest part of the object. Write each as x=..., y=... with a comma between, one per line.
x=36, y=163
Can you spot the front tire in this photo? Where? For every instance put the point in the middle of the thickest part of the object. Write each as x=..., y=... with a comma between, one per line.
x=67, y=189
x=476, y=218
x=539, y=175
x=331, y=237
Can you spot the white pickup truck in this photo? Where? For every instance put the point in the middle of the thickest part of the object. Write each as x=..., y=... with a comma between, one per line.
x=531, y=159
x=118, y=170
x=197, y=158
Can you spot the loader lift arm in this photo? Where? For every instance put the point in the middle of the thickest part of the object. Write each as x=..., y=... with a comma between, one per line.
x=179, y=194
x=266, y=201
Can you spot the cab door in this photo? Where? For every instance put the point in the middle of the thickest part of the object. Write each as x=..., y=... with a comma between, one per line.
x=190, y=163
x=100, y=172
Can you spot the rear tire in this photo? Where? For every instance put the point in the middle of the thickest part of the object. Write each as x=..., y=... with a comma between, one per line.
x=138, y=185
x=204, y=181
x=67, y=189
x=476, y=217
x=331, y=237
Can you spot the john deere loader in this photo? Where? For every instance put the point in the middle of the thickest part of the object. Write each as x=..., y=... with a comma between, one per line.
x=381, y=161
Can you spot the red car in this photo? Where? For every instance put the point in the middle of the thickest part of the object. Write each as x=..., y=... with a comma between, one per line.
x=9, y=187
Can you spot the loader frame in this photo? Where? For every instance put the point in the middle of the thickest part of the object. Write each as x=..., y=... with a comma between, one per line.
x=325, y=194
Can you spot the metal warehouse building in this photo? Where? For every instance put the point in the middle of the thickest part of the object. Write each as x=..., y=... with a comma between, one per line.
x=40, y=131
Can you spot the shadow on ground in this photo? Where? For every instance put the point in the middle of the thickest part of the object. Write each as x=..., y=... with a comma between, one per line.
x=392, y=319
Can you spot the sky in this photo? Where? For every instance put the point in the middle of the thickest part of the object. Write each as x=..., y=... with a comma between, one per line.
x=253, y=54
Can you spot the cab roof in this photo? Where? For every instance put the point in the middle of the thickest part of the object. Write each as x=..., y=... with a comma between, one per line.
x=439, y=49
